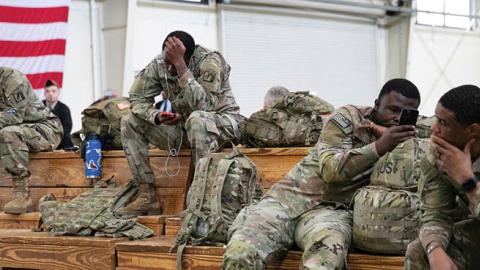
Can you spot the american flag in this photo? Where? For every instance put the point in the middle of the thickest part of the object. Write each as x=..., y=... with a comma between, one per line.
x=33, y=37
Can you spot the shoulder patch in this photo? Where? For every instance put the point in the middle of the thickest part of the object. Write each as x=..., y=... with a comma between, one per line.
x=19, y=96
x=208, y=76
x=342, y=122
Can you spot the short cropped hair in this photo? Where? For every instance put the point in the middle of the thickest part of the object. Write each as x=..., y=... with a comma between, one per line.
x=274, y=95
x=187, y=41
x=402, y=86
x=464, y=101
x=51, y=83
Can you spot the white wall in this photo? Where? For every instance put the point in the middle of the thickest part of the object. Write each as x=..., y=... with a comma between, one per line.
x=440, y=59
x=334, y=57
x=77, y=90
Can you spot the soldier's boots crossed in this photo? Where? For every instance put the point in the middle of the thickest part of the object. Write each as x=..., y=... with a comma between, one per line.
x=21, y=202
x=145, y=202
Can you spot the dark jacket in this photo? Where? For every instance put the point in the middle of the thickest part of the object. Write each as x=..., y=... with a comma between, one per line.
x=63, y=112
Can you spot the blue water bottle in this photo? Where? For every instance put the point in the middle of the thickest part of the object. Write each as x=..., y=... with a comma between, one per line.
x=93, y=158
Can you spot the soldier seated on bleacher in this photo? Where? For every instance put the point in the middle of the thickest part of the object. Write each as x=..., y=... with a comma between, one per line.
x=309, y=206
x=26, y=125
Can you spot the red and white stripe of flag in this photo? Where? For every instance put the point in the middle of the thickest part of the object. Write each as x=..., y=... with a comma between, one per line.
x=33, y=36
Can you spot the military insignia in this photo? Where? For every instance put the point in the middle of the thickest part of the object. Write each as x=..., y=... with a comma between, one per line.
x=209, y=76
x=342, y=122
x=19, y=96
x=11, y=111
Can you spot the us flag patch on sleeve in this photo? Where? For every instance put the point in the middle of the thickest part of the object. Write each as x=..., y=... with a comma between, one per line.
x=342, y=122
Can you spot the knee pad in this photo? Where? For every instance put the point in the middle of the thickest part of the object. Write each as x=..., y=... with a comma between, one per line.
x=240, y=255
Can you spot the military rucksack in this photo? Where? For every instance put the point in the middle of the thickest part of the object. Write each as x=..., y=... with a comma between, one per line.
x=386, y=213
x=102, y=119
x=93, y=213
x=294, y=121
x=223, y=184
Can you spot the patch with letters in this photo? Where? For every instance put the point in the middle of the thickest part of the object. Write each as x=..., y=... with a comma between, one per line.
x=209, y=76
x=11, y=111
x=19, y=96
x=342, y=122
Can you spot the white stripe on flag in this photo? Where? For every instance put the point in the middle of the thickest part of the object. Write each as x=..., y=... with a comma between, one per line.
x=32, y=32
x=34, y=3
x=33, y=65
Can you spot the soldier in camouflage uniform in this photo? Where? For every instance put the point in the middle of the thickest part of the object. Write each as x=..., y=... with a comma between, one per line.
x=450, y=169
x=196, y=81
x=26, y=125
x=309, y=206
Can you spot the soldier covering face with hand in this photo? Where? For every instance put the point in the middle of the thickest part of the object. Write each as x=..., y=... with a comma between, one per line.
x=196, y=82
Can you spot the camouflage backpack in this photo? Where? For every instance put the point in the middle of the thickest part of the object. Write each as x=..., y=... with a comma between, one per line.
x=93, y=213
x=294, y=121
x=223, y=184
x=386, y=213
x=102, y=118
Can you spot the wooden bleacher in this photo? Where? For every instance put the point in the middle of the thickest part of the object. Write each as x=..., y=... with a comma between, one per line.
x=154, y=254
x=62, y=173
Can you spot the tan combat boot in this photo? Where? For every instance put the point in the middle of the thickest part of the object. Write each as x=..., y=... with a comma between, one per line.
x=144, y=203
x=21, y=202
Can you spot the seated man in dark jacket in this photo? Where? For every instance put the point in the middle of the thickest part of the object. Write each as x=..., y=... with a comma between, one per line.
x=61, y=110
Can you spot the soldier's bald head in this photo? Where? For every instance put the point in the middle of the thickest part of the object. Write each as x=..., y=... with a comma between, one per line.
x=187, y=41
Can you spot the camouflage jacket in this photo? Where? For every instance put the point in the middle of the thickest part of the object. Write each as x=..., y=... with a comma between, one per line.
x=335, y=168
x=439, y=206
x=204, y=87
x=20, y=105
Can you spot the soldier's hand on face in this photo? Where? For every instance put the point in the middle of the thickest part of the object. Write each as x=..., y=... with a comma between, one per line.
x=174, y=51
x=439, y=260
x=393, y=136
x=453, y=161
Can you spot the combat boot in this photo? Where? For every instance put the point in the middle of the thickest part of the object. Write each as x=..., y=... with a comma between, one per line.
x=21, y=202
x=144, y=203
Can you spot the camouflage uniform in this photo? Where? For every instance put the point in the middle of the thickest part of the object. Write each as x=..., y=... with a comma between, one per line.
x=309, y=206
x=26, y=125
x=202, y=96
x=439, y=208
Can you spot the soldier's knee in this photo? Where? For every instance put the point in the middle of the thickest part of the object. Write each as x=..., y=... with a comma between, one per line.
x=7, y=133
x=195, y=119
x=241, y=255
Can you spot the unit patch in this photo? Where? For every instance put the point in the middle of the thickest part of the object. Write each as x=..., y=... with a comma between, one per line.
x=209, y=76
x=19, y=96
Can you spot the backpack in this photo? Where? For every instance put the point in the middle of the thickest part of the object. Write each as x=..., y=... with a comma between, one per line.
x=102, y=119
x=93, y=213
x=223, y=184
x=386, y=215
x=294, y=121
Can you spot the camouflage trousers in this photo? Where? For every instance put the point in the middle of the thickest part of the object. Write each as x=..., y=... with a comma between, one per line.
x=17, y=141
x=264, y=232
x=463, y=249
x=203, y=132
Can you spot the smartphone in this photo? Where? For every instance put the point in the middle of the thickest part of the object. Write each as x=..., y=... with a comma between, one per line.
x=408, y=117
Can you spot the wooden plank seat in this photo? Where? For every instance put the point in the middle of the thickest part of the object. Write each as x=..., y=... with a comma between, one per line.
x=62, y=173
x=38, y=250
x=154, y=253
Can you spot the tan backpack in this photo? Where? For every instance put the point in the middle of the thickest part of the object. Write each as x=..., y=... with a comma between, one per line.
x=386, y=213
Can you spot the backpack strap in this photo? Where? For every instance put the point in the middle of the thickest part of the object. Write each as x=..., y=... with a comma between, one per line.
x=193, y=211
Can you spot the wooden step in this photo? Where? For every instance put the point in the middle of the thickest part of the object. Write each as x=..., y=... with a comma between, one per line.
x=154, y=253
x=172, y=225
x=25, y=221
x=38, y=250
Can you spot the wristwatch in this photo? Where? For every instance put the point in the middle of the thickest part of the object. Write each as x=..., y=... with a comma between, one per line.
x=470, y=184
x=432, y=247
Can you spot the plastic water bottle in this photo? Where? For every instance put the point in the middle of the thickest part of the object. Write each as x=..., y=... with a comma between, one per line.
x=93, y=158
